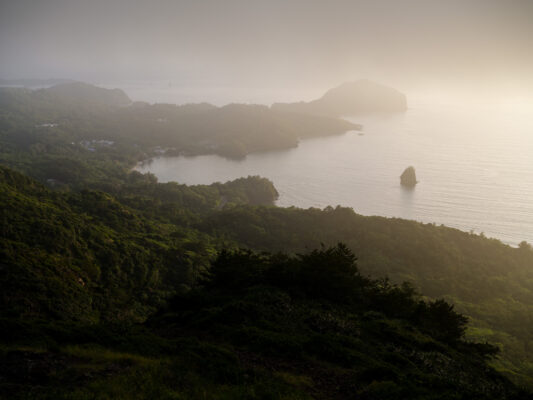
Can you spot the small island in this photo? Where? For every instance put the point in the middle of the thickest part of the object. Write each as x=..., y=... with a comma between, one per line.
x=408, y=177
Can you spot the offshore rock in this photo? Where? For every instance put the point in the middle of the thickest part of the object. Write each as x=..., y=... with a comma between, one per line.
x=408, y=177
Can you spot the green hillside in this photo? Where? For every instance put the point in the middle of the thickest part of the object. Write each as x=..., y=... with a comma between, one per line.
x=109, y=285
x=101, y=301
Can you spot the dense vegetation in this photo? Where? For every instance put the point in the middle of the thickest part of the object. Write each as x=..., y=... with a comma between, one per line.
x=91, y=253
x=87, y=118
x=487, y=280
x=86, y=256
x=262, y=326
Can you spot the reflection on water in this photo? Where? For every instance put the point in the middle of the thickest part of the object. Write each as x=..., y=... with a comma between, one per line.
x=475, y=169
x=407, y=195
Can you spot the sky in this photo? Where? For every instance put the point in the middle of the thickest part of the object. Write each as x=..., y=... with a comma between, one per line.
x=475, y=45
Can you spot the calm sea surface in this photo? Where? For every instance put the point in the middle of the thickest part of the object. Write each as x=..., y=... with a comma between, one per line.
x=474, y=165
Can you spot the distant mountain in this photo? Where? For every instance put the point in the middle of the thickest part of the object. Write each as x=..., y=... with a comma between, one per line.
x=33, y=83
x=84, y=93
x=59, y=101
x=351, y=98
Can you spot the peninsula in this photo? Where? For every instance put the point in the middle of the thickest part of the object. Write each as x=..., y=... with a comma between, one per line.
x=351, y=98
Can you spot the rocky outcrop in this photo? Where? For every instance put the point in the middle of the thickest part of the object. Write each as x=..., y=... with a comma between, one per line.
x=408, y=177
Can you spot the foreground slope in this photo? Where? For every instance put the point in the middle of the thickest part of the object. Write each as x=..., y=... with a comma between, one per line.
x=261, y=326
x=490, y=282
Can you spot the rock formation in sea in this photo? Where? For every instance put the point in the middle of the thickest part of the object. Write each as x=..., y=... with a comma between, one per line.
x=408, y=177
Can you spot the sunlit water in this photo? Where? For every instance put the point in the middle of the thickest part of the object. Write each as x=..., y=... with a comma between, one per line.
x=474, y=165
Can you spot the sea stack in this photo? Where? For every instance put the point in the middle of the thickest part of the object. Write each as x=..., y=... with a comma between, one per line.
x=408, y=177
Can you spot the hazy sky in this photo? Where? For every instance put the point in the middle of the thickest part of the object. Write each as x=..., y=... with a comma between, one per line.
x=272, y=43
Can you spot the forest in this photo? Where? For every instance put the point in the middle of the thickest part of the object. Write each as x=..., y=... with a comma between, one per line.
x=117, y=286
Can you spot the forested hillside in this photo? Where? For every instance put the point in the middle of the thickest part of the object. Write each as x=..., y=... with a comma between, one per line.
x=86, y=256
x=83, y=117
x=249, y=326
x=490, y=282
x=91, y=254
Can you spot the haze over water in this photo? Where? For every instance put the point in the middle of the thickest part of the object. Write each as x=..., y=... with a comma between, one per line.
x=473, y=161
x=474, y=164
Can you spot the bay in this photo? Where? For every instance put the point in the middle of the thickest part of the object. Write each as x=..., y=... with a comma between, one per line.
x=474, y=163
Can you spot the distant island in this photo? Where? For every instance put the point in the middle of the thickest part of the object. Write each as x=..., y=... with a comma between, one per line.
x=351, y=98
x=62, y=101
x=33, y=82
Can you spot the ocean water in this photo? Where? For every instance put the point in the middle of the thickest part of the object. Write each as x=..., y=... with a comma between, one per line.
x=474, y=164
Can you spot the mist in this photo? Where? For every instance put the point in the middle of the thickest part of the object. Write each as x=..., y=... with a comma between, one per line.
x=475, y=46
x=275, y=199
